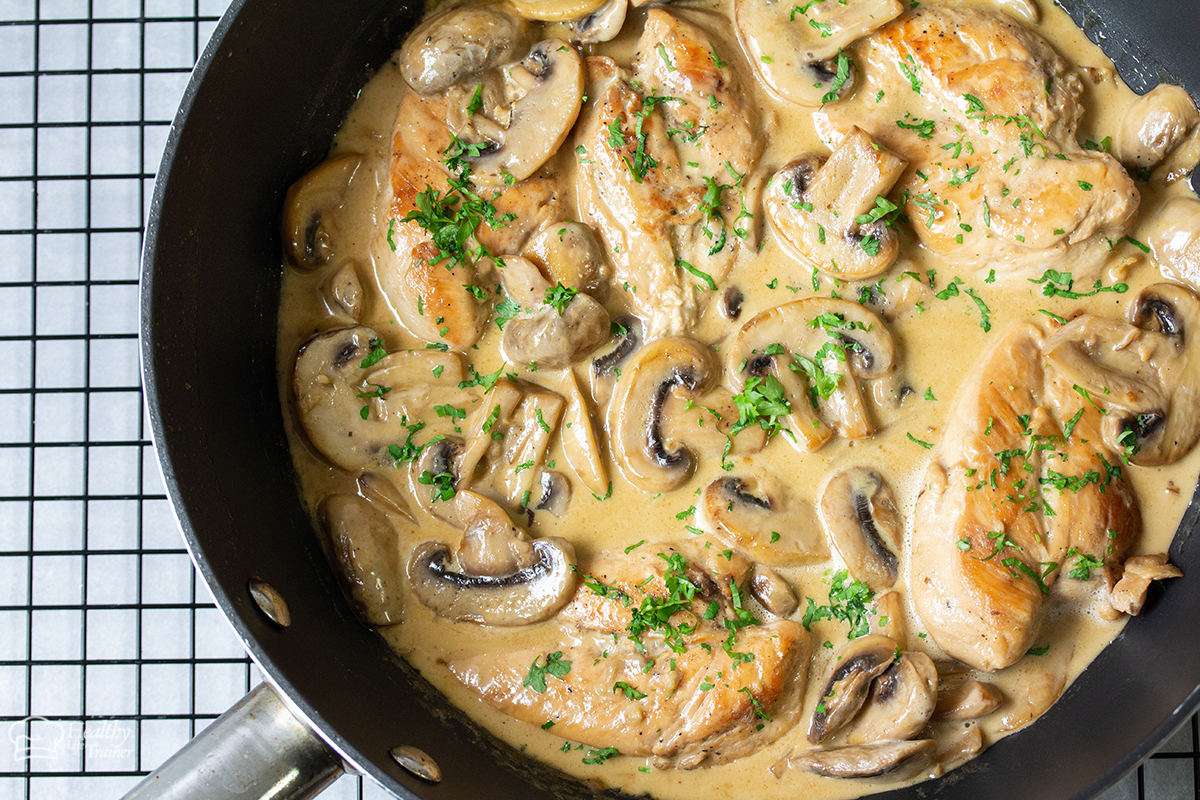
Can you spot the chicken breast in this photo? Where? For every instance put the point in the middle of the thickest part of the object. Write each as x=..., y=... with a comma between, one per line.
x=698, y=706
x=421, y=282
x=664, y=158
x=612, y=585
x=1021, y=483
x=998, y=180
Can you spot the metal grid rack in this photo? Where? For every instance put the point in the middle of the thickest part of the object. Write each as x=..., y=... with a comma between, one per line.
x=112, y=653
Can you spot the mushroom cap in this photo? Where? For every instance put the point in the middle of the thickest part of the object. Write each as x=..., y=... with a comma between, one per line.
x=760, y=516
x=601, y=25
x=891, y=759
x=857, y=664
x=529, y=595
x=550, y=83
x=457, y=42
x=635, y=413
x=329, y=378
x=492, y=546
x=799, y=67
x=1154, y=125
x=817, y=216
x=860, y=515
x=773, y=591
x=795, y=326
x=570, y=253
x=553, y=10
x=310, y=224
x=366, y=549
x=1174, y=239
x=1142, y=369
x=541, y=334
x=901, y=702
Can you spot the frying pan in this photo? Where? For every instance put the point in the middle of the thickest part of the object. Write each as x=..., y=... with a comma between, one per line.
x=263, y=104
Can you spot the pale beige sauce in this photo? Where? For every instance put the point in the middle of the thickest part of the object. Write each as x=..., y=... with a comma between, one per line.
x=936, y=349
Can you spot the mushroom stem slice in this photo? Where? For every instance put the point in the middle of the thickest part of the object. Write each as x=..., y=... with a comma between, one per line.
x=580, y=444
x=894, y=759
x=761, y=517
x=825, y=221
x=959, y=702
x=1129, y=594
x=860, y=516
x=858, y=663
x=528, y=595
x=664, y=366
x=310, y=223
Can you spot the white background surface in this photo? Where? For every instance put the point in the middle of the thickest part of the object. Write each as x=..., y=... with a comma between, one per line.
x=105, y=630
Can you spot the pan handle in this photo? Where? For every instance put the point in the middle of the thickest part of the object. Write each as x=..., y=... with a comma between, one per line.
x=255, y=750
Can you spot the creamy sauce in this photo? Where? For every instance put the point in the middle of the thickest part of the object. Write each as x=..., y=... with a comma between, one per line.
x=936, y=348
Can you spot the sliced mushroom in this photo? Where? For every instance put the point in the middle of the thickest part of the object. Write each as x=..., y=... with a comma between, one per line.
x=707, y=424
x=1022, y=10
x=375, y=488
x=550, y=336
x=795, y=48
x=858, y=663
x=507, y=439
x=762, y=517
x=1174, y=239
x=366, y=549
x=635, y=414
x=1141, y=370
x=310, y=215
x=438, y=458
x=1040, y=688
x=541, y=100
x=824, y=218
x=457, y=42
x=890, y=617
x=492, y=546
x=1129, y=595
x=526, y=596
x=773, y=591
x=601, y=25
x=772, y=342
x=959, y=745
x=860, y=516
x=580, y=444
x=731, y=303
x=901, y=702
x=553, y=10
x=966, y=700
x=628, y=336
x=555, y=493
x=1155, y=125
x=897, y=759
x=344, y=292
x=569, y=253
x=331, y=387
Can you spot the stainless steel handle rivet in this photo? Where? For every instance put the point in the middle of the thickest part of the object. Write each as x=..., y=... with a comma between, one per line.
x=417, y=762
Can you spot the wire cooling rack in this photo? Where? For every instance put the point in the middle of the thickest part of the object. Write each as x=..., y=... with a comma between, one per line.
x=112, y=653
